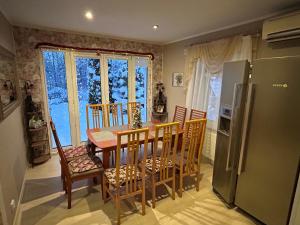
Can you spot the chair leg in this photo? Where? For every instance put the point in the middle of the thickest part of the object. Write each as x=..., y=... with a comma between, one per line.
x=104, y=196
x=180, y=184
x=173, y=184
x=198, y=180
x=118, y=206
x=153, y=191
x=95, y=180
x=152, y=147
x=69, y=193
x=144, y=199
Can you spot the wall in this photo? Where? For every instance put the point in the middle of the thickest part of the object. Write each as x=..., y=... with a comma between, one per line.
x=12, y=160
x=12, y=148
x=6, y=34
x=28, y=61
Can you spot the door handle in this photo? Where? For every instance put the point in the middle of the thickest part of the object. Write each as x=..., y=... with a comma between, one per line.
x=233, y=115
x=245, y=127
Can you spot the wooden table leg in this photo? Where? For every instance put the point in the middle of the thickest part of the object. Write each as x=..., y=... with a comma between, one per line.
x=106, y=165
x=106, y=159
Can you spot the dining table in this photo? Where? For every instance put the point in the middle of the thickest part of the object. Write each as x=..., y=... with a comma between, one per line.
x=105, y=139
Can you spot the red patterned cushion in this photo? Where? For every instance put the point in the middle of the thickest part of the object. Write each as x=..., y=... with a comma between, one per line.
x=75, y=152
x=84, y=164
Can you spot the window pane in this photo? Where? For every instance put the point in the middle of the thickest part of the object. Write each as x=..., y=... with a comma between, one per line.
x=118, y=83
x=55, y=71
x=214, y=98
x=89, y=89
x=141, y=84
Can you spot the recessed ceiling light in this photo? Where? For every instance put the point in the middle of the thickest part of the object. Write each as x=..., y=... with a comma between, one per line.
x=155, y=27
x=89, y=15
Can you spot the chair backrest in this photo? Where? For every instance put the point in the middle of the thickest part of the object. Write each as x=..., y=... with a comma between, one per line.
x=131, y=107
x=134, y=139
x=114, y=114
x=179, y=115
x=167, y=134
x=192, y=144
x=98, y=116
x=62, y=156
x=197, y=114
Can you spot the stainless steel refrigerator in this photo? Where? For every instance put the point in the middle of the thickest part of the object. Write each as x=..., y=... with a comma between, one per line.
x=257, y=163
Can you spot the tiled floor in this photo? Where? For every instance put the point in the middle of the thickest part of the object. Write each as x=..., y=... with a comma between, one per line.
x=44, y=202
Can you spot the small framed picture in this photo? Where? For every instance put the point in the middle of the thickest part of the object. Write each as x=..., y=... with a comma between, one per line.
x=177, y=80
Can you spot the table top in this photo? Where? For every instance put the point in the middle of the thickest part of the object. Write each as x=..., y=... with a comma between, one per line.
x=106, y=138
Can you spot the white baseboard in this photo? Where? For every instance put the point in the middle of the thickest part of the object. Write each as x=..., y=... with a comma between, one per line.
x=18, y=214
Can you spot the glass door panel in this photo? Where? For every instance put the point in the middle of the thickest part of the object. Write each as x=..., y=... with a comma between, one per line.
x=58, y=101
x=141, y=85
x=88, y=89
x=118, y=83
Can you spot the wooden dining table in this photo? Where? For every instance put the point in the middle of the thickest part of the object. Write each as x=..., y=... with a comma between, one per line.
x=105, y=139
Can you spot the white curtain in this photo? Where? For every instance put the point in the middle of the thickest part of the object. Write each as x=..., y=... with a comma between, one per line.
x=205, y=63
x=204, y=67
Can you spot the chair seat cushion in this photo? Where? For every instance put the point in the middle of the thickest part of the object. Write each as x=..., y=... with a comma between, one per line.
x=111, y=175
x=75, y=152
x=149, y=163
x=85, y=164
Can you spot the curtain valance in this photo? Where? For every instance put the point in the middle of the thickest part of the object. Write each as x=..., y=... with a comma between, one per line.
x=213, y=54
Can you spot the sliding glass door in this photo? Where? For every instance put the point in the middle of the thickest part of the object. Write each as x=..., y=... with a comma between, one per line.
x=74, y=80
x=88, y=85
x=118, y=89
x=57, y=95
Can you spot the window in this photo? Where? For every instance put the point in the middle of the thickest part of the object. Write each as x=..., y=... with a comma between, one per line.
x=74, y=80
x=214, y=94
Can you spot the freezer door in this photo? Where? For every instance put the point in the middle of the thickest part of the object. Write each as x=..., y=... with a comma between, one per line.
x=235, y=76
x=269, y=161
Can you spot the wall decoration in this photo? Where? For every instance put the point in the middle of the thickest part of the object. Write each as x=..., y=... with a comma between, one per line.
x=8, y=83
x=177, y=80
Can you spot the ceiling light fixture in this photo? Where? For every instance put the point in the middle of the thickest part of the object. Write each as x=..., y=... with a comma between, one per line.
x=155, y=27
x=89, y=15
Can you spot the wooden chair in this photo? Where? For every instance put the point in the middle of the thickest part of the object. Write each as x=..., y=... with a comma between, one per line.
x=99, y=118
x=131, y=107
x=83, y=167
x=179, y=115
x=197, y=114
x=188, y=161
x=161, y=166
x=114, y=114
x=128, y=179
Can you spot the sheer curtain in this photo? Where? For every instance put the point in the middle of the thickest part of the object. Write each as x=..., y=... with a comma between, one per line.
x=204, y=67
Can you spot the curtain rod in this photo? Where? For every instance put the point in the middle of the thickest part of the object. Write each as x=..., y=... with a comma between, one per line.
x=97, y=50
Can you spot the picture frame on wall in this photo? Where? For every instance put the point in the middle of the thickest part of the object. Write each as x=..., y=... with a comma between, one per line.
x=177, y=79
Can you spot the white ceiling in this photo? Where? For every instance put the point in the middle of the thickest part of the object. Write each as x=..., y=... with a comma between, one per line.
x=133, y=19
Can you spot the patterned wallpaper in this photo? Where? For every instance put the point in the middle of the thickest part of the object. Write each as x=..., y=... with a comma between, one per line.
x=28, y=61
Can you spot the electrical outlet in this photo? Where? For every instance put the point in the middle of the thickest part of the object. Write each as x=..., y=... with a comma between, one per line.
x=13, y=205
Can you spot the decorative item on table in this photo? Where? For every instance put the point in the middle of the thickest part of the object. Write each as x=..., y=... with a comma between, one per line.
x=177, y=80
x=159, y=111
x=137, y=119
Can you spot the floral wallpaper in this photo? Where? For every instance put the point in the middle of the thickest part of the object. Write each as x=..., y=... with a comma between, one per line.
x=28, y=59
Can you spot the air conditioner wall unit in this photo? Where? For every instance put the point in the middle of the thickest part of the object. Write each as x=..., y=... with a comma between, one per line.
x=282, y=28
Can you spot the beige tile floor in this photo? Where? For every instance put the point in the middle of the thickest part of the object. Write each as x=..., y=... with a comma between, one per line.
x=44, y=203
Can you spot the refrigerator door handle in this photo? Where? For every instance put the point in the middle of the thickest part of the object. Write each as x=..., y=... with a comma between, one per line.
x=245, y=127
x=234, y=102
